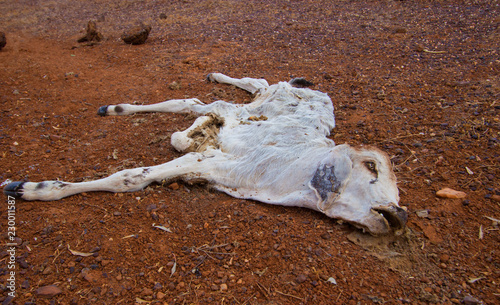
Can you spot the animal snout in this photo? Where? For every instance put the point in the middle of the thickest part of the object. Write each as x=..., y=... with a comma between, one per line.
x=395, y=215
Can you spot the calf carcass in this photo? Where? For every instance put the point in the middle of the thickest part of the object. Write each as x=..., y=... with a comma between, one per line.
x=274, y=150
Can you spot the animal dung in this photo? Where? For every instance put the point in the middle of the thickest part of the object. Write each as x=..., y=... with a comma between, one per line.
x=3, y=40
x=92, y=34
x=136, y=35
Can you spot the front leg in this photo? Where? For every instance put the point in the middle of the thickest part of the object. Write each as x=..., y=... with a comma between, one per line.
x=251, y=85
x=192, y=105
x=189, y=166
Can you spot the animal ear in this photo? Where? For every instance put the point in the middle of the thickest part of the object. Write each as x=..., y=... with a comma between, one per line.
x=330, y=176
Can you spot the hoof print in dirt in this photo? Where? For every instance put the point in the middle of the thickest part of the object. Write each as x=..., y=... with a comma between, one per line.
x=3, y=40
x=137, y=35
x=92, y=36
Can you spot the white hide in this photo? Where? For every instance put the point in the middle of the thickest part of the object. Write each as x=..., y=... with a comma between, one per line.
x=274, y=150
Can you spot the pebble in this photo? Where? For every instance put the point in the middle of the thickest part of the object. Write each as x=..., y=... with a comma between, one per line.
x=444, y=258
x=160, y=295
x=470, y=300
x=495, y=198
x=174, y=186
x=48, y=291
x=147, y=291
x=450, y=193
x=223, y=287
x=301, y=278
x=151, y=207
x=25, y=284
x=174, y=86
x=47, y=270
x=325, y=236
x=85, y=273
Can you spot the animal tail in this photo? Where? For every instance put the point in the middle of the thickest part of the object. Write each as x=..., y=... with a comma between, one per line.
x=300, y=82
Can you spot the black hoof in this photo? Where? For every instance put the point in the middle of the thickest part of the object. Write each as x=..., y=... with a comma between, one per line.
x=102, y=110
x=14, y=189
x=209, y=79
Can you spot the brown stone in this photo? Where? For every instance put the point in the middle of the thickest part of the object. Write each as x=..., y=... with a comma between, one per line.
x=48, y=291
x=160, y=295
x=174, y=186
x=449, y=193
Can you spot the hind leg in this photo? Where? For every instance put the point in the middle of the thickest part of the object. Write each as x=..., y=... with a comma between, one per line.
x=251, y=85
x=187, y=167
x=192, y=105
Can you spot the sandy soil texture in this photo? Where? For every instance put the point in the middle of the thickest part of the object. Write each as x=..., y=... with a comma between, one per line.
x=418, y=79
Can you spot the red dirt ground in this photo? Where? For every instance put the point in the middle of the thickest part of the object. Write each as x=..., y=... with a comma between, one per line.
x=418, y=79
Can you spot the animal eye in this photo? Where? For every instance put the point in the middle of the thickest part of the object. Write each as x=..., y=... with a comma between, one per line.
x=371, y=167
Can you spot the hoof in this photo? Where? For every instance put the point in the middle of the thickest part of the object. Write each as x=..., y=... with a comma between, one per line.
x=14, y=189
x=210, y=79
x=102, y=110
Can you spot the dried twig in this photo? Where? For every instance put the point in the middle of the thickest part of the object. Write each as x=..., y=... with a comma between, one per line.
x=289, y=295
x=265, y=291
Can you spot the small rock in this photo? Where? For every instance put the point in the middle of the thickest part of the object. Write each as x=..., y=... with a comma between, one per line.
x=422, y=213
x=8, y=300
x=137, y=35
x=400, y=31
x=23, y=264
x=48, y=291
x=3, y=40
x=47, y=270
x=495, y=198
x=160, y=295
x=449, y=193
x=147, y=292
x=325, y=236
x=469, y=300
x=117, y=213
x=25, y=284
x=174, y=86
x=163, y=16
x=223, y=287
x=301, y=278
x=214, y=287
x=174, y=186
x=87, y=275
x=444, y=258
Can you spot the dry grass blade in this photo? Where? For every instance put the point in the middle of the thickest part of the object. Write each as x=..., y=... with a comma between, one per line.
x=291, y=296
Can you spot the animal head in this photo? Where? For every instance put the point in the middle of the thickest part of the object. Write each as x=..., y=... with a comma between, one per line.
x=358, y=185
